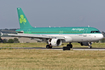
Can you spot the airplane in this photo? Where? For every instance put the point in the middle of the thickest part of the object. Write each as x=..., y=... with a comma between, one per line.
x=55, y=36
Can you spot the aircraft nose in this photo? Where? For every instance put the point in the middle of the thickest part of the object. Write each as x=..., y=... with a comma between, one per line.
x=100, y=36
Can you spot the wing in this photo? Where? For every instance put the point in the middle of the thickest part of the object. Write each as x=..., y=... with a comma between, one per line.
x=36, y=36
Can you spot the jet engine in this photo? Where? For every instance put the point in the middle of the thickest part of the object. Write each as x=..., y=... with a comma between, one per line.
x=54, y=42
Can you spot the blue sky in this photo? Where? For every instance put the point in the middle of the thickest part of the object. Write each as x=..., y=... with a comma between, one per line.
x=44, y=13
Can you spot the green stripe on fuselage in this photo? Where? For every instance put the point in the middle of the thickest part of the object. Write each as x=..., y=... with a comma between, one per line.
x=58, y=30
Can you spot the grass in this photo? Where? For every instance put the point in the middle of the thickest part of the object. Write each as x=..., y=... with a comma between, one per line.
x=31, y=59
x=21, y=59
x=22, y=44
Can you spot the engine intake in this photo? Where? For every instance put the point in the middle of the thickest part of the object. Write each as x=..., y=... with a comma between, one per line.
x=54, y=42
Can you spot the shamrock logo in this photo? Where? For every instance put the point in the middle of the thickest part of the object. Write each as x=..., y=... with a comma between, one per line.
x=22, y=19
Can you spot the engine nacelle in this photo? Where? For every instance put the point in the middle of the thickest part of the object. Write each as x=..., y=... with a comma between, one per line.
x=54, y=42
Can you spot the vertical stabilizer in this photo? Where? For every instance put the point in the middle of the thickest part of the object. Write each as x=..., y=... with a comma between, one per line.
x=22, y=19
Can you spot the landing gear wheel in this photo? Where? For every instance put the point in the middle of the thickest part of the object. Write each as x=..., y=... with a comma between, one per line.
x=66, y=48
x=90, y=47
x=89, y=43
x=69, y=45
x=48, y=46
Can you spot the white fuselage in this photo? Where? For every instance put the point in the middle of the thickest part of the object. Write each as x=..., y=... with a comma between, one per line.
x=80, y=37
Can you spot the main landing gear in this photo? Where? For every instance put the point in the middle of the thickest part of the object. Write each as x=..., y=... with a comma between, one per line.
x=48, y=46
x=68, y=47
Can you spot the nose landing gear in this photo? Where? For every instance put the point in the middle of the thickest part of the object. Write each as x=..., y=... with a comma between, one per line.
x=89, y=43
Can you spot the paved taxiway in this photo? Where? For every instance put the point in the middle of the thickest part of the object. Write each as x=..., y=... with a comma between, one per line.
x=55, y=48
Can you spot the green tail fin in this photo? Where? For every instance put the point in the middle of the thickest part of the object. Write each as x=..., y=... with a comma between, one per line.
x=22, y=19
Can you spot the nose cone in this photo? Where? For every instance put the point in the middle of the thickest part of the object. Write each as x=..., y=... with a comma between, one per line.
x=100, y=36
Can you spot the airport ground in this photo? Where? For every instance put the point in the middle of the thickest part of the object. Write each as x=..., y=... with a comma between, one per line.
x=36, y=59
x=41, y=44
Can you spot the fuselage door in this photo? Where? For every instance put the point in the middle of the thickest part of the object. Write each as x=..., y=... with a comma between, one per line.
x=28, y=31
x=85, y=32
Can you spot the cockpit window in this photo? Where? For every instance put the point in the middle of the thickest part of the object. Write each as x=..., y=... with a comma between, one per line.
x=95, y=31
